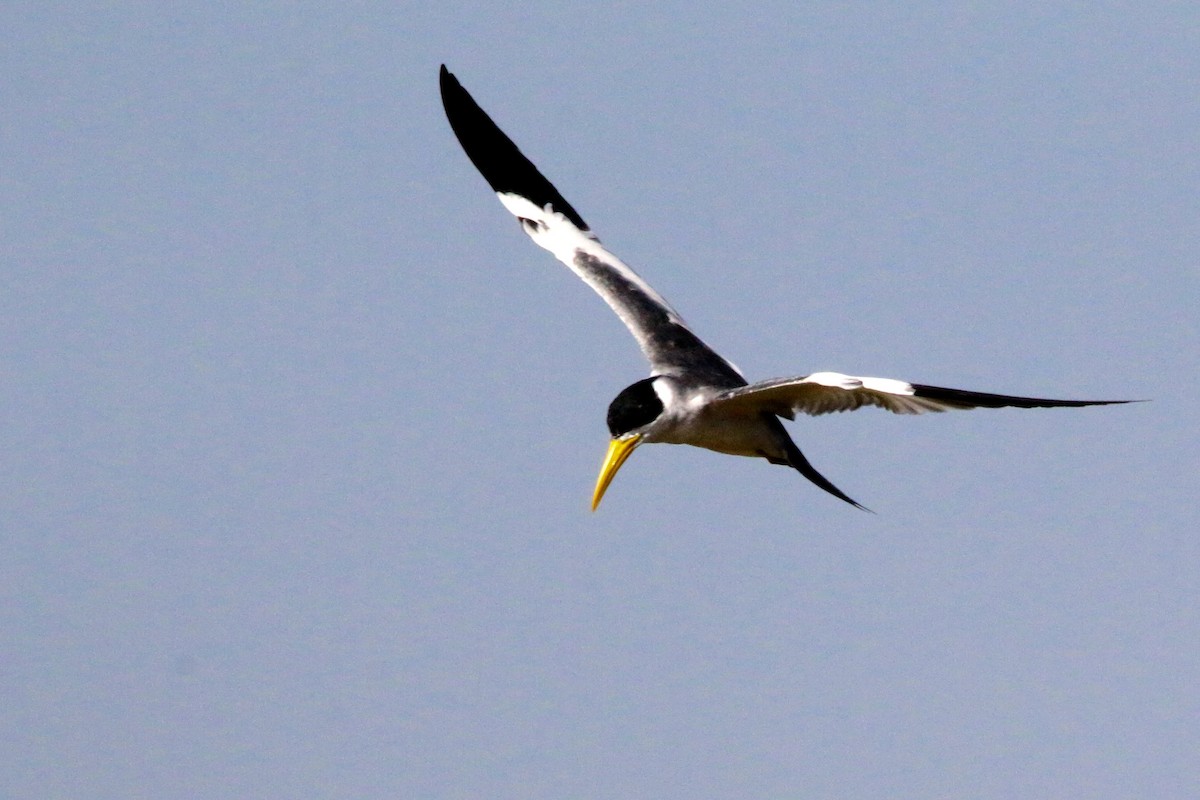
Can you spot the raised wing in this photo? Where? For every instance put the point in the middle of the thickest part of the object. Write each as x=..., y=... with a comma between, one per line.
x=552, y=223
x=827, y=392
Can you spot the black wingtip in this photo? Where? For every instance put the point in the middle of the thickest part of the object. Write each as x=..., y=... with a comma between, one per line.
x=502, y=164
x=962, y=398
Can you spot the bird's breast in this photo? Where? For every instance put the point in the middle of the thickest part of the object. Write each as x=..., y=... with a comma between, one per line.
x=735, y=434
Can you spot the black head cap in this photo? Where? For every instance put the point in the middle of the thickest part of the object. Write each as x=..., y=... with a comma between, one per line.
x=636, y=406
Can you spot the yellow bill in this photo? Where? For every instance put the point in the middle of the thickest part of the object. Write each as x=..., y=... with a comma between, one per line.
x=618, y=450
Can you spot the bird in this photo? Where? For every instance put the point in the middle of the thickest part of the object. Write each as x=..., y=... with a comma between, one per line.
x=693, y=396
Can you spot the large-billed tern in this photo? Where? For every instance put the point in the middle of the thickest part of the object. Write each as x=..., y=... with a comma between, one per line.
x=693, y=395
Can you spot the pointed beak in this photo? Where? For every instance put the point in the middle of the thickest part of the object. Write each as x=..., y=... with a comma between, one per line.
x=618, y=451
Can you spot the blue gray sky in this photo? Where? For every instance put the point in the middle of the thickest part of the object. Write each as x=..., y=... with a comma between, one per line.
x=300, y=430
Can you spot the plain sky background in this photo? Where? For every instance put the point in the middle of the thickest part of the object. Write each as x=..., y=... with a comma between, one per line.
x=298, y=430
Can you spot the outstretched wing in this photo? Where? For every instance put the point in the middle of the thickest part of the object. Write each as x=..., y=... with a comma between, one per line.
x=827, y=392
x=552, y=223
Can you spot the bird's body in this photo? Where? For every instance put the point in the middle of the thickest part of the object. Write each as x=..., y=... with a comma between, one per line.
x=693, y=396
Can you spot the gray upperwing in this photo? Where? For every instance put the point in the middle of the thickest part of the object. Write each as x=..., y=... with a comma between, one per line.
x=668, y=343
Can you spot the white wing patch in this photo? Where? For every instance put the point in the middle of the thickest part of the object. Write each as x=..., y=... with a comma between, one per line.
x=837, y=380
x=660, y=331
x=554, y=232
x=827, y=393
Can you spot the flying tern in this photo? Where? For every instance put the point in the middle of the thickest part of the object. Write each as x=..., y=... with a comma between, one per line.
x=693, y=395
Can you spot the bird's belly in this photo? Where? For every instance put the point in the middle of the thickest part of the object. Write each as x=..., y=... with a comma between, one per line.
x=736, y=436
